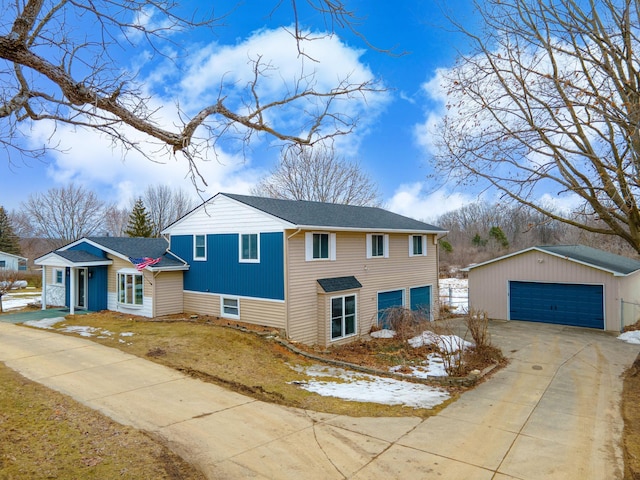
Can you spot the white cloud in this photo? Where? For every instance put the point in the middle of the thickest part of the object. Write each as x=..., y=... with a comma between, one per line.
x=88, y=158
x=416, y=201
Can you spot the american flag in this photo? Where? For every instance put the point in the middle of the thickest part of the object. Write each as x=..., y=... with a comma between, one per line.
x=143, y=262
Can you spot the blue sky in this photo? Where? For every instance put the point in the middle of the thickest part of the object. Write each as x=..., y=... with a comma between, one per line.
x=389, y=143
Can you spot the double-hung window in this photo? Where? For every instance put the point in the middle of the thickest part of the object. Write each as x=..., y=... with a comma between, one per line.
x=320, y=246
x=343, y=316
x=199, y=247
x=58, y=276
x=230, y=307
x=249, y=247
x=417, y=245
x=130, y=288
x=377, y=245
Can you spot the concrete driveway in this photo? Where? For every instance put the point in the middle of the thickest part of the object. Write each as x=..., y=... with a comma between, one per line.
x=553, y=413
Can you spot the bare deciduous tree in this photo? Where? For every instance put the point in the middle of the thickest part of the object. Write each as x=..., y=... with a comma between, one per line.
x=59, y=64
x=550, y=99
x=65, y=214
x=165, y=206
x=316, y=174
x=115, y=220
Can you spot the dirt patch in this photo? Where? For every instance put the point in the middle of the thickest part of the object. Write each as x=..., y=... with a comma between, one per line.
x=44, y=434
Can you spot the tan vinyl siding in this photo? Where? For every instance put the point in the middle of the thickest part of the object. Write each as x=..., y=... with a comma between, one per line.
x=489, y=284
x=168, y=293
x=259, y=312
x=119, y=264
x=202, y=303
x=398, y=271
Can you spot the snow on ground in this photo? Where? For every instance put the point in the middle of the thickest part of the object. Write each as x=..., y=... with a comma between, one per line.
x=630, y=337
x=16, y=301
x=360, y=387
x=384, y=333
x=82, y=330
x=433, y=366
x=331, y=381
x=446, y=343
x=455, y=293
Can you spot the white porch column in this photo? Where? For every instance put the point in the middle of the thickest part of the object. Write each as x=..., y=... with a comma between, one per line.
x=43, y=296
x=72, y=290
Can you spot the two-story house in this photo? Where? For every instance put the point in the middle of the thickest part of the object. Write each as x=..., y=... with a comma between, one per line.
x=323, y=273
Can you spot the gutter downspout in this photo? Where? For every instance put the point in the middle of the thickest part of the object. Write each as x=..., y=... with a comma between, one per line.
x=286, y=280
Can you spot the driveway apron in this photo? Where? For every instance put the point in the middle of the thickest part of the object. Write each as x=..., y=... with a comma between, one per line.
x=552, y=413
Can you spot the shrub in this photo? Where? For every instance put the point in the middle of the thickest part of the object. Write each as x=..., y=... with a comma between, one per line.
x=478, y=325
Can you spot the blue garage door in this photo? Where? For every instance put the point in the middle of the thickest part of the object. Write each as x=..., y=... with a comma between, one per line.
x=420, y=298
x=388, y=300
x=562, y=303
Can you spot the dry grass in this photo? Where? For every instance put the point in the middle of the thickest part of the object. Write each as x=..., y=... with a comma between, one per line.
x=44, y=434
x=244, y=362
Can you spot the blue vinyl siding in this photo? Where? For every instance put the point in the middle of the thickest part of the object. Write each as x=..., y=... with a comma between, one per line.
x=85, y=247
x=97, y=289
x=561, y=303
x=223, y=273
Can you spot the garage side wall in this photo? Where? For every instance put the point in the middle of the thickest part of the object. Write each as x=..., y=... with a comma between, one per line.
x=489, y=284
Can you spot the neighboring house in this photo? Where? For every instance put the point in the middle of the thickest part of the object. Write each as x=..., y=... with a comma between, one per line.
x=9, y=261
x=322, y=273
x=97, y=273
x=563, y=284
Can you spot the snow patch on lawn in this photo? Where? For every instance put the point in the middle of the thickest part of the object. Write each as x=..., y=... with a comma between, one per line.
x=82, y=330
x=359, y=387
x=384, y=333
x=16, y=301
x=433, y=366
x=445, y=343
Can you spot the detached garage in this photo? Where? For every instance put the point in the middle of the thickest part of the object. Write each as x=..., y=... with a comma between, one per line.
x=562, y=284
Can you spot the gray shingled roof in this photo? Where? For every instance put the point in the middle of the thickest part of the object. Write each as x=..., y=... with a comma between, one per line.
x=317, y=214
x=79, y=256
x=136, y=247
x=597, y=258
x=338, y=284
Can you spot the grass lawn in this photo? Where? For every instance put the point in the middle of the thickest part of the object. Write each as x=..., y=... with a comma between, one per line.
x=250, y=364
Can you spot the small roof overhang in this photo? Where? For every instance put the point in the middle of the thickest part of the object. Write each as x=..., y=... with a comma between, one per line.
x=339, y=284
x=72, y=258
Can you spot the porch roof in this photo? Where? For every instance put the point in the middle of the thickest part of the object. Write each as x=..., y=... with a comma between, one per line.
x=72, y=258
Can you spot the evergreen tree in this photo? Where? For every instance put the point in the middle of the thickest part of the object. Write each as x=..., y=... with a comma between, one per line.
x=139, y=221
x=9, y=241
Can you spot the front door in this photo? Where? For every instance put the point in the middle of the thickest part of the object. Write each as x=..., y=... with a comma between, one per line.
x=81, y=288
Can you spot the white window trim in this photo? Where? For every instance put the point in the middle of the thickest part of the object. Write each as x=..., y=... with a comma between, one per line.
x=54, y=276
x=224, y=314
x=355, y=316
x=248, y=260
x=385, y=253
x=129, y=271
x=203, y=258
x=424, y=246
x=308, y=247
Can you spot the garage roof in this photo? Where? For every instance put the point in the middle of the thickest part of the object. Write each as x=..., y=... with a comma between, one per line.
x=593, y=257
